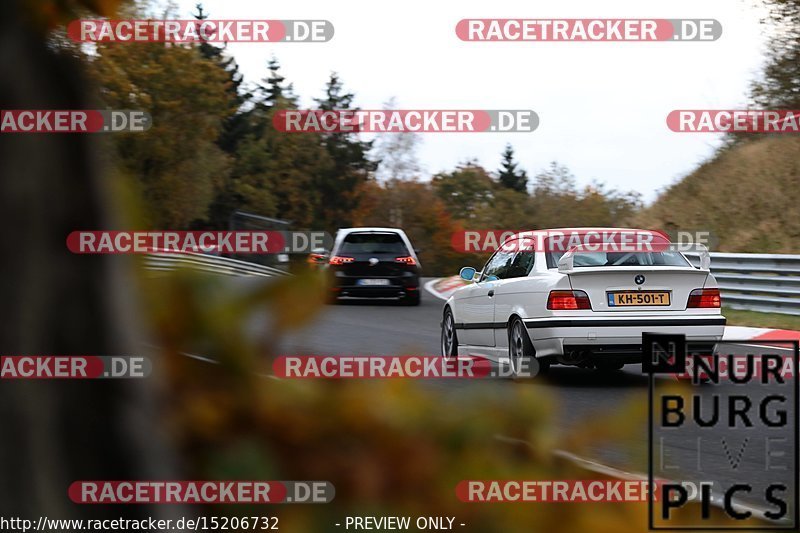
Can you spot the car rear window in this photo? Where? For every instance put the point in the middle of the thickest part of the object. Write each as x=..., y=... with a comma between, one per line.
x=373, y=243
x=610, y=259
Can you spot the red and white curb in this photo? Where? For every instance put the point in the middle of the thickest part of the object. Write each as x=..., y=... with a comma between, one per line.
x=739, y=333
x=442, y=288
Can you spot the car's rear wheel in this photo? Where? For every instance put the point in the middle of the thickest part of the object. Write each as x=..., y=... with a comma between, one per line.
x=412, y=298
x=449, y=337
x=521, y=355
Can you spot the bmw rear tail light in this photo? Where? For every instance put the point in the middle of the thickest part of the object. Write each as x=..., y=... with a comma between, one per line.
x=407, y=259
x=564, y=300
x=704, y=298
x=339, y=260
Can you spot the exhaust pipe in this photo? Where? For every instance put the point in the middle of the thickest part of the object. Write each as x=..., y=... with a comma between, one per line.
x=572, y=357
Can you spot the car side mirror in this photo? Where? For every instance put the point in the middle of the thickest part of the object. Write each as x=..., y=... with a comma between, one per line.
x=468, y=274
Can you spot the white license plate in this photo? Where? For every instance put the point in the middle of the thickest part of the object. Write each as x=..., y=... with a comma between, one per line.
x=373, y=282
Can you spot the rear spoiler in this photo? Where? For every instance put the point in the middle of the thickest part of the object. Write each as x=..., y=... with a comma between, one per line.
x=566, y=262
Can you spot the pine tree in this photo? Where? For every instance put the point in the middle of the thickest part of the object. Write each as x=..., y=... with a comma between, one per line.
x=234, y=127
x=351, y=167
x=273, y=89
x=274, y=172
x=509, y=176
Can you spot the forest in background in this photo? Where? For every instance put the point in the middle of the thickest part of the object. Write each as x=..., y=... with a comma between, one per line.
x=213, y=150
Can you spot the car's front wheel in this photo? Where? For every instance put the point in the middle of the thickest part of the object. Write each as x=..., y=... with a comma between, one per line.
x=449, y=337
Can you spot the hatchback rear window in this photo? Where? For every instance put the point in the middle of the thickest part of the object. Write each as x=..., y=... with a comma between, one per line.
x=373, y=243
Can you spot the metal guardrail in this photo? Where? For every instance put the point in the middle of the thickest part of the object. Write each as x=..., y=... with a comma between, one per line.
x=166, y=261
x=757, y=282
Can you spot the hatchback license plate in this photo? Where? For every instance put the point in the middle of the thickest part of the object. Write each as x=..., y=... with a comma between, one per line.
x=636, y=298
x=373, y=282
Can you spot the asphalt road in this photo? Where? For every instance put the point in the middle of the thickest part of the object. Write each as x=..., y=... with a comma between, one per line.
x=582, y=397
x=362, y=327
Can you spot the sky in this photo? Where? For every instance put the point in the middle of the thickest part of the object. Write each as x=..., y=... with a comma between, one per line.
x=602, y=105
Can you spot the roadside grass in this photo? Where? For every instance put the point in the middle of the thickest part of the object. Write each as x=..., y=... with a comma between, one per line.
x=755, y=319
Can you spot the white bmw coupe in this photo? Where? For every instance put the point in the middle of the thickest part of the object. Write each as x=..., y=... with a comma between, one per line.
x=580, y=296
